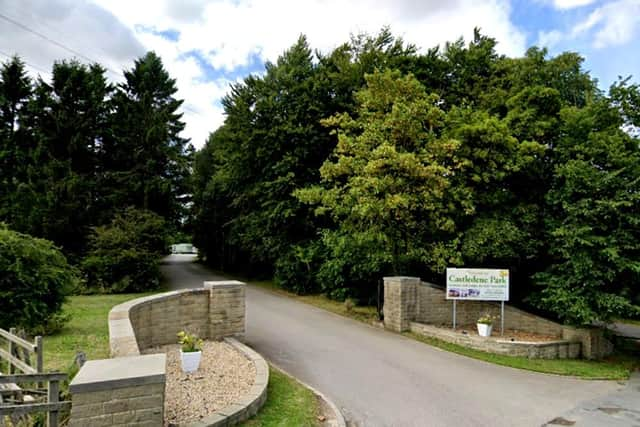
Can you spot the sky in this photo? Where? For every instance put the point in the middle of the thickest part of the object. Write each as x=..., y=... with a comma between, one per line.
x=206, y=45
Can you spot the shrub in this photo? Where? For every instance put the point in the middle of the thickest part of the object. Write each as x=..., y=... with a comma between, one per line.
x=353, y=265
x=124, y=255
x=296, y=270
x=35, y=278
x=349, y=304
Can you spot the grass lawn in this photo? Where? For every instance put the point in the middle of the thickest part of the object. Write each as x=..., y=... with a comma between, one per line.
x=289, y=403
x=87, y=330
x=616, y=367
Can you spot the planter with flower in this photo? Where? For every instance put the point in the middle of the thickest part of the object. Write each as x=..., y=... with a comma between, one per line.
x=190, y=351
x=485, y=325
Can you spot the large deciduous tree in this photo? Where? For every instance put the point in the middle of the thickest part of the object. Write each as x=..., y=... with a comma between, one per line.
x=387, y=184
x=593, y=221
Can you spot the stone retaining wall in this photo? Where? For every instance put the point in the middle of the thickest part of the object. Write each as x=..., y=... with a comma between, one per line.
x=213, y=312
x=408, y=300
x=129, y=388
x=434, y=308
x=559, y=349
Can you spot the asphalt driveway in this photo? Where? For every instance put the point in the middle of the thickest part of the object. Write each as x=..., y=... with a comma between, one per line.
x=379, y=378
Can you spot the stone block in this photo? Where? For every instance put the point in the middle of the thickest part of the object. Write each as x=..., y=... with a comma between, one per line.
x=115, y=406
x=99, y=421
x=124, y=417
x=594, y=344
x=86, y=398
x=400, y=302
x=146, y=402
x=86, y=410
x=149, y=414
x=118, y=373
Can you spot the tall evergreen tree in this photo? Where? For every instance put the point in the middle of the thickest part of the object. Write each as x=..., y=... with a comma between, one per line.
x=147, y=161
x=78, y=113
x=15, y=93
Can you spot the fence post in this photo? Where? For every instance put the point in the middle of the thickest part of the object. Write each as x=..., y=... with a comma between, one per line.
x=52, y=397
x=12, y=349
x=39, y=355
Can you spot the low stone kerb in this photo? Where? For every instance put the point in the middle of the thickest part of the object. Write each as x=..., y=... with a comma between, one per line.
x=249, y=404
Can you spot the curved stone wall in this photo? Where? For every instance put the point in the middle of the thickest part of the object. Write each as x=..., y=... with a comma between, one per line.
x=212, y=312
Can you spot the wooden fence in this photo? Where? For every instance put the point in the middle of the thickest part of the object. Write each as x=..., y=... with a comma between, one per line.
x=25, y=389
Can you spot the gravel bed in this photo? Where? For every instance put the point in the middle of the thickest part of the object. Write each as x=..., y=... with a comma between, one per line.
x=223, y=376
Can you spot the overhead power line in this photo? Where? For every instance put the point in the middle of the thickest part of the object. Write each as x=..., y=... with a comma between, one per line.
x=36, y=23
x=44, y=37
x=53, y=42
x=68, y=49
x=35, y=67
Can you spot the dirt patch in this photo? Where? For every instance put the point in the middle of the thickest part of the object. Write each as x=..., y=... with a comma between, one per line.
x=509, y=334
x=561, y=422
x=224, y=375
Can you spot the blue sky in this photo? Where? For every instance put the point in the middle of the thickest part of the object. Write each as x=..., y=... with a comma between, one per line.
x=207, y=45
x=614, y=55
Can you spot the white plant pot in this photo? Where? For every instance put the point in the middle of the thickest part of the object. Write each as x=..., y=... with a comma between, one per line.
x=484, y=330
x=190, y=360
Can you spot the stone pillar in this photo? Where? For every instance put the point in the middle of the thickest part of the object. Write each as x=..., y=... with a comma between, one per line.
x=226, y=308
x=400, y=302
x=594, y=345
x=121, y=391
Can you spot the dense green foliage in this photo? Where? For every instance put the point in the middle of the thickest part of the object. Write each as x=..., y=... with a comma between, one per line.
x=34, y=283
x=376, y=159
x=77, y=151
x=124, y=255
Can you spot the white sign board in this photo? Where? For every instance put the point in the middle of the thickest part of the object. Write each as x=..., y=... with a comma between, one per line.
x=477, y=284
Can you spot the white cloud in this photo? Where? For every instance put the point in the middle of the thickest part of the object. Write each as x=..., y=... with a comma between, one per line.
x=612, y=24
x=571, y=4
x=228, y=33
x=592, y=20
x=550, y=39
x=621, y=23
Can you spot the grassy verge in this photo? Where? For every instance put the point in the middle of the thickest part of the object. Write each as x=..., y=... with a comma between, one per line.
x=365, y=314
x=635, y=322
x=289, y=403
x=616, y=367
x=87, y=330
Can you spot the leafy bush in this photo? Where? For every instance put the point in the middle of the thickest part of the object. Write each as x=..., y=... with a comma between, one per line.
x=35, y=278
x=296, y=271
x=125, y=254
x=353, y=265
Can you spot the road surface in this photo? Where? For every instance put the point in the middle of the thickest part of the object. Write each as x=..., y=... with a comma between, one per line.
x=378, y=378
